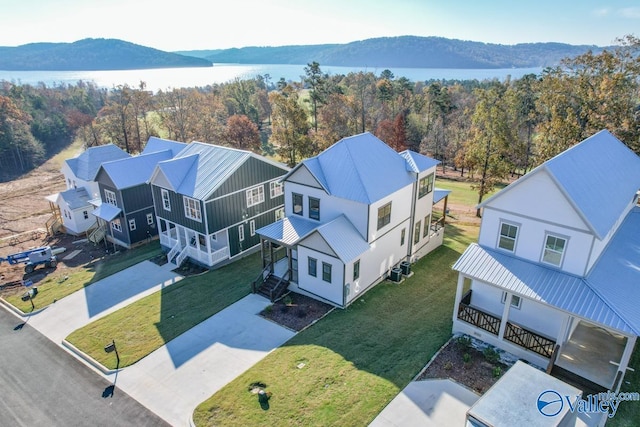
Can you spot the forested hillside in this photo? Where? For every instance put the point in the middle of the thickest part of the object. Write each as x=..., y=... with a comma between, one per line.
x=405, y=51
x=485, y=130
x=92, y=54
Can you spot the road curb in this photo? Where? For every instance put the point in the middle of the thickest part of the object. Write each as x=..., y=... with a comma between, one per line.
x=90, y=360
x=20, y=312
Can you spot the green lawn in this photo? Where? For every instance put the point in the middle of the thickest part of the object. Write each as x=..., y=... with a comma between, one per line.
x=629, y=412
x=64, y=282
x=355, y=360
x=149, y=323
x=461, y=192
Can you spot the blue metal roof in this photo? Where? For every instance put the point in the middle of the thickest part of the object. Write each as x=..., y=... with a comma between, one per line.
x=343, y=238
x=107, y=211
x=537, y=282
x=288, y=231
x=134, y=170
x=439, y=194
x=86, y=165
x=155, y=144
x=76, y=198
x=616, y=275
x=364, y=169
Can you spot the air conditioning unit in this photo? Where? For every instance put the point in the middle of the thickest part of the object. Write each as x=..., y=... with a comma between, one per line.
x=396, y=274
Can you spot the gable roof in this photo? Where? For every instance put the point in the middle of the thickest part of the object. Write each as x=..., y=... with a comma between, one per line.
x=364, y=169
x=75, y=198
x=201, y=168
x=136, y=170
x=155, y=144
x=599, y=176
x=343, y=238
x=86, y=165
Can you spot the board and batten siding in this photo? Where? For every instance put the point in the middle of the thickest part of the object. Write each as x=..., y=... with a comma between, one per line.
x=136, y=198
x=176, y=214
x=143, y=229
x=251, y=173
x=235, y=245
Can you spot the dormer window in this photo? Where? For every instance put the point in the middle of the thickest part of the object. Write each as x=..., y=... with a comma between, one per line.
x=553, y=250
x=508, y=236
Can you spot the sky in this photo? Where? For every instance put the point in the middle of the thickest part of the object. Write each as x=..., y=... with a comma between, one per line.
x=199, y=24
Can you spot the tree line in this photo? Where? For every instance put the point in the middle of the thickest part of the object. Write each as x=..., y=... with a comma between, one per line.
x=484, y=130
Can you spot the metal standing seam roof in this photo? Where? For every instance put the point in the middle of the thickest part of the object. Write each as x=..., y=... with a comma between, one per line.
x=288, y=231
x=86, y=165
x=417, y=162
x=76, y=198
x=364, y=169
x=439, y=194
x=107, y=212
x=135, y=170
x=343, y=238
x=539, y=283
x=155, y=144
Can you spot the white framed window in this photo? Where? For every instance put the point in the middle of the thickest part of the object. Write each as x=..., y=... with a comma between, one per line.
x=279, y=214
x=427, y=225
x=115, y=224
x=255, y=196
x=297, y=204
x=241, y=233
x=192, y=209
x=508, y=236
x=110, y=197
x=516, y=301
x=166, y=202
x=149, y=219
x=275, y=189
x=85, y=214
x=326, y=272
x=314, y=208
x=553, y=252
x=384, y=215
x=312, y=267
x=416, y=233
x=252, y=227
x=425, y=186
x=132, y=224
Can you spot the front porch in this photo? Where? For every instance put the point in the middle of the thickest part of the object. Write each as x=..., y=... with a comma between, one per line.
x=185, y=243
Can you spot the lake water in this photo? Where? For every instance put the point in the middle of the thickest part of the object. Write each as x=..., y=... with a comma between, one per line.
x=168, y=78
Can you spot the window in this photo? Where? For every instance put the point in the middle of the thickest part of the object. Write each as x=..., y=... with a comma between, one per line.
x=416, y=233
x=427, y=223
x=110, y=197
x=356, y=270
x=313, y=267
x=132, y=224
x=516, y=301
x=402, y=234
x=85, y=214
x=252, y=227
x=279, y=214
x=314, y=208
x=166, y=203
x=326, y=272
x=297, y=204
x=241, y=233
x=192, y=208
x=508, y=234
x=553, y=250
x=255, y=196
x=384, y=215
x=115, y=224
x=275, y=189
x=149, y=219
x=425, y=186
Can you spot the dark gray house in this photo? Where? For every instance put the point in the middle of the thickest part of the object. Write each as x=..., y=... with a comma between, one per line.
x=210, y=200
x=127, y=212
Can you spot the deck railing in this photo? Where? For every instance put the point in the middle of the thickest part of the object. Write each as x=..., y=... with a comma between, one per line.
x=529, y=340
x=279, y=289
x=476, y=317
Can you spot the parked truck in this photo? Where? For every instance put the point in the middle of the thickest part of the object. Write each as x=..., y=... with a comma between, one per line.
x=33, y=258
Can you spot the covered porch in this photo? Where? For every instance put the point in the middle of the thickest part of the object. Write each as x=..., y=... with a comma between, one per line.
x=186, y=243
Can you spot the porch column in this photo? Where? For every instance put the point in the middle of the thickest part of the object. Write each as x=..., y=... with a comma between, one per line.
x=458, y=296
x=563, y=335
x=444, y=210
x=624, y=360
x=505, y=316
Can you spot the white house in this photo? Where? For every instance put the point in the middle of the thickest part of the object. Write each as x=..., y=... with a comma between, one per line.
x=352, y=213
x=73, y=204
x=554, y=277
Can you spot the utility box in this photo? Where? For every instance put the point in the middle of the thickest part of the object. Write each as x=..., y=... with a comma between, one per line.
x=405, y=266
x=396, y=274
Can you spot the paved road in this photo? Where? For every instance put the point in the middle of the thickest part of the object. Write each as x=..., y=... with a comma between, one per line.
x=41, y=384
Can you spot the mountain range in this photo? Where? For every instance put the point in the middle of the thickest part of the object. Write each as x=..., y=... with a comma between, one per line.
x=384, y=52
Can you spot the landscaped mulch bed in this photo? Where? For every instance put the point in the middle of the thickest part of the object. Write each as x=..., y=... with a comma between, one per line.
x=478, y=371
x=296, y=311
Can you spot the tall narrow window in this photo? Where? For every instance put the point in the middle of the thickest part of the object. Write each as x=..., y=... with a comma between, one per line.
x=279, y=214
x=508, y=235
x=402, y=234
x=425, y=186
x=326, y=272
x=166, y=202
x=297, y=204
x=384, y=215
x=192, y=208
x=85, y=214
x=132, y=224
x=313, y=266
x=241, y=233
x=252, y=227
x=416, y=233
x=275, y=189
x=115, y=224
x=314, y=208
x=427, y=224
x=110, y=197
x=149, y=219
x=356, y=270
x=553, y=250
x=255, y=196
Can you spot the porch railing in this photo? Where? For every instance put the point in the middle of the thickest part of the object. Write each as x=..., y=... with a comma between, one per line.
x=277, y=291
x=478, y=318
x=259, y=281
x=173, y=252
x=219, y=255
x=529, y=340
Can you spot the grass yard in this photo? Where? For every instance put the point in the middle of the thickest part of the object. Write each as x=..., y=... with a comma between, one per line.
x=149, y=323
x=355, y=360
x=60, y=284
x=629, y=412
x=461, y=191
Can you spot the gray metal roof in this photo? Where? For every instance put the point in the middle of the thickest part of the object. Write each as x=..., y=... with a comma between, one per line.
x=616, y=275
x=107, y=211
x=134, y=170
x=155, y=144
x=364, y=169
x=537, y=282
x=288, y=231
x=86, y=165
x=343, y=238
x=76, y=198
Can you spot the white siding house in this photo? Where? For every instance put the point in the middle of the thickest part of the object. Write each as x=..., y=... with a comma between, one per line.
x=352, y=213
x=554, y=277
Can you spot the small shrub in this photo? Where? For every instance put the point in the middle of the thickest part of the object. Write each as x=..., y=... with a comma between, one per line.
x=287, y=300
x=268, y=309
x=448, y=366
x=491, y=355
x=466, y=357
x=463, y=342
x=497, y=371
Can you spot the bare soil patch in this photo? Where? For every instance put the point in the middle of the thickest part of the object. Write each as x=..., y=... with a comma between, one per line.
x=296, y=311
